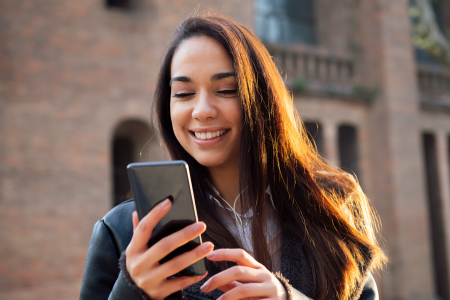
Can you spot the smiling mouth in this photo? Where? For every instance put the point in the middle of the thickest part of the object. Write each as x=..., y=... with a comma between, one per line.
x=209, y=135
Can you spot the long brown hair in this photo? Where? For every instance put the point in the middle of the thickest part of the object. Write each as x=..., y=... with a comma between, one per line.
x=322, y=206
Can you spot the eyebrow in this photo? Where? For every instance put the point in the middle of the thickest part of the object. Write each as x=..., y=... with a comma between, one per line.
x=180, y=78
x=215, y=77
x=220, y=76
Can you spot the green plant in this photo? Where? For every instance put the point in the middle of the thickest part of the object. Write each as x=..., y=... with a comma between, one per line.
x=299, y=85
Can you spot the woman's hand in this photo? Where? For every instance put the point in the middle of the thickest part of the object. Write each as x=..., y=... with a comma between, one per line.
x=249, y=279
x=143, y=262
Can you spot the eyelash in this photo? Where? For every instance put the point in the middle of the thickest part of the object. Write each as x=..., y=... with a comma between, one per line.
x=183, y=95
x=227, y=92
x=224, y=92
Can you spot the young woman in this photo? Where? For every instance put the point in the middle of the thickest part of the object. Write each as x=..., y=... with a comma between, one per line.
x=283, y=223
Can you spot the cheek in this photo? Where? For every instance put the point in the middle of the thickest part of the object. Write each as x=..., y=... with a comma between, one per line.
x=175, y=118
x=179, y=117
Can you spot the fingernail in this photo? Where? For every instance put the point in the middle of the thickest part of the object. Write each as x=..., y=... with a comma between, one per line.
x=165, y=203
x=206, y=246
x=211, y=255
x=205, y=286
x=199, y=226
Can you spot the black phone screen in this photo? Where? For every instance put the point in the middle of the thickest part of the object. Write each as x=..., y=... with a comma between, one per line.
x=153, y=182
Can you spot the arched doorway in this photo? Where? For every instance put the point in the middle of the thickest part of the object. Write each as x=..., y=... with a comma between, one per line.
x=133, y=141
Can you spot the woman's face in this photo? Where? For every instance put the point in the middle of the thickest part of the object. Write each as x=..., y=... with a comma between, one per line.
x=205, y=108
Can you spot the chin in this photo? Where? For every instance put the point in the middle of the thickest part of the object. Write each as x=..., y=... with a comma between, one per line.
x=209, y=162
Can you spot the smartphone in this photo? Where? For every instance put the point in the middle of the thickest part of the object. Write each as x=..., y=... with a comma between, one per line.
x=153, y=182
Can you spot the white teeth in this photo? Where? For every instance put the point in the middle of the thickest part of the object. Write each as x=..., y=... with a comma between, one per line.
x=208, y=135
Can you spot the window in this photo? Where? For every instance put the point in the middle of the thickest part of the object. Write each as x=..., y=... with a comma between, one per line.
x=315, y=134
x=348, y=149
x=435, y=215
x=427, y=18
x=285, y=21
x=119, y=4
x=437, y=10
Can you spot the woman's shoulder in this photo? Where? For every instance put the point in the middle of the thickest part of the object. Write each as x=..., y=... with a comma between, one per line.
x=120, y=213
x=119, y=223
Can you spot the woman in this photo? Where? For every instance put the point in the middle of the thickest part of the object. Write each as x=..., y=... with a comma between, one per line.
x=284, y=224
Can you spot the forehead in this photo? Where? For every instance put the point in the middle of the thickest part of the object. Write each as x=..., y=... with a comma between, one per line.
x=200, y=55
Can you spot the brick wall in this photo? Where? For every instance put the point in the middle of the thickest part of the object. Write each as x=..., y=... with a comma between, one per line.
x=72, y=71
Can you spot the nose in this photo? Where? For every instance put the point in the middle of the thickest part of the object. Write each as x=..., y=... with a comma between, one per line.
x=204, y=108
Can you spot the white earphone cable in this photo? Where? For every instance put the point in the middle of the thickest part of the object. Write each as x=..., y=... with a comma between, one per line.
x=237, y=217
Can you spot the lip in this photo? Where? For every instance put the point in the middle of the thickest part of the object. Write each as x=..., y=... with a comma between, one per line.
x=209, y=142
x=208, y=129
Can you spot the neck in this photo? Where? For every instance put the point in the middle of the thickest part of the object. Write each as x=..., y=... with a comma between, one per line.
x=226, y=182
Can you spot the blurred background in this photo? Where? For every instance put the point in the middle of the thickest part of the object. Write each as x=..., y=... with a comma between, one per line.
x=370, y=79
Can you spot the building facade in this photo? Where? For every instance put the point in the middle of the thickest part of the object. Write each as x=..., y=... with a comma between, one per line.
x=76, y=86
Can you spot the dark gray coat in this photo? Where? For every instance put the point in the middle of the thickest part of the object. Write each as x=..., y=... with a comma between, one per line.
x=104, y=280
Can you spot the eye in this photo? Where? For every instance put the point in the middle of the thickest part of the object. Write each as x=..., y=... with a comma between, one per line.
x=183, y=95
x=228, y=92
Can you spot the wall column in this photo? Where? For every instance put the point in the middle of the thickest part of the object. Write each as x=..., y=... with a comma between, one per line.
x=330, y=140
x=396, y=160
